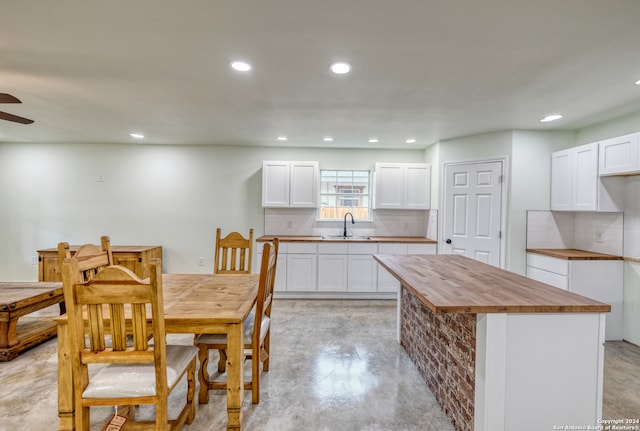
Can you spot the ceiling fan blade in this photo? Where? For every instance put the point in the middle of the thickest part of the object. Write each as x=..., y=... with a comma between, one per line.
x=8, y=98
x=14, y=118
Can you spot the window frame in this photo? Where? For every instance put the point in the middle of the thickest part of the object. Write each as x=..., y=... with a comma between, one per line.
x=351, y=191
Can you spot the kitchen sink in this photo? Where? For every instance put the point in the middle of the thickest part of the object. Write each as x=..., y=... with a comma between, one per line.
x=347, y=238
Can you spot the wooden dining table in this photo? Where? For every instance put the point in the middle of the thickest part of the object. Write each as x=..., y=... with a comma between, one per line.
x=193, y=303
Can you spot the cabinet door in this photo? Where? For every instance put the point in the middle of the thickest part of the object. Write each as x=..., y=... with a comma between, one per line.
x=417, y=186
x=602, y=280
x=362, y=273
x=275, y=184
x=585, y=178
x=49, y=266
x=619, y=155
x=304, y=184
x=301, y=272
x=332, y=273
x=561, y=175
x=280, y=283
x=386, y=281
x=389, y=184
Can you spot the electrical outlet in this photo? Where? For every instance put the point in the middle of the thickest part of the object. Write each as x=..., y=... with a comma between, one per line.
x=405, y=226
x=201, y=261
x=101, y=178
x=599, y=236
x=34, y=260
x=289, y=224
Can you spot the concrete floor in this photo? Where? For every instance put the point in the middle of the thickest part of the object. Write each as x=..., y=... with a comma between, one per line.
x=335, y=366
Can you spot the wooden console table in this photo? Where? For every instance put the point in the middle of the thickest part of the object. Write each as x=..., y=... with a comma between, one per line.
x=18, y=299
x=134, y=257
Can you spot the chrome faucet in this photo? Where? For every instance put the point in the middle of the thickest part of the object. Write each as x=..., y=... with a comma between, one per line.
x=344, y=232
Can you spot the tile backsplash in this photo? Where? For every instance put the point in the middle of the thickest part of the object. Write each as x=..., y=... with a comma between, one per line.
x=303, y=221
x=591, y=231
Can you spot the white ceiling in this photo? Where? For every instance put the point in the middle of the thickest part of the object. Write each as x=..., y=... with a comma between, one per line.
x=93, y=71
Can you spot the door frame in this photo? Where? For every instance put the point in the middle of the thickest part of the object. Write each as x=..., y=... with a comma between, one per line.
x=503, y=200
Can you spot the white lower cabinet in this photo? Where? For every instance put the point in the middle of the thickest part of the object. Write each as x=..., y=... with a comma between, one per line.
x=362, y=269
x=332, y=267
x=337, y=269
x=301, y=267
x=601, y=280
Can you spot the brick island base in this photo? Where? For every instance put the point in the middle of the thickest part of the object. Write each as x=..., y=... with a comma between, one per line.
x=442, y=346
x=487, y=370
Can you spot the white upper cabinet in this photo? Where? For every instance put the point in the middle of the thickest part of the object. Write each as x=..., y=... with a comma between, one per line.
x=561, y=179
x=403, y=186
x=575, y=185
x=620, y=156
x=290, y=184
x=584, y=196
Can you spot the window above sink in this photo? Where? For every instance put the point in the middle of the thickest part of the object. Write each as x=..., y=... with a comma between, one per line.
x=343, y=191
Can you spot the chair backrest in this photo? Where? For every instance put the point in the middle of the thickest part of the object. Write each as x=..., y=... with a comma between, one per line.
x=266, y=284
x=91, y=258
x=233, y=254
x=117, y=294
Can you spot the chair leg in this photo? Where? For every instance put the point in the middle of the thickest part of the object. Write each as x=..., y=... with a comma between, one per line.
x=222, y=361
x=255, y=376
x=203, y=374
x=191, y=391
x=265, y=363
x=82, y=418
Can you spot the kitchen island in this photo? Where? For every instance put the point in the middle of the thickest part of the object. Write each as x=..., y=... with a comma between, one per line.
x=499, y=351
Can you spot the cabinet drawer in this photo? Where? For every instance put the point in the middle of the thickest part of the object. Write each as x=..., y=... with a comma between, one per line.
x=392, y=248
x=301, y=248
x=332, y=248
x=421, y=248
x=556, y=280
x=547, y=263
x=362, y=248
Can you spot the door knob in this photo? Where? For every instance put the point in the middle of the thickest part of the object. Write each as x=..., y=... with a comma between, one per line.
x=448, y=241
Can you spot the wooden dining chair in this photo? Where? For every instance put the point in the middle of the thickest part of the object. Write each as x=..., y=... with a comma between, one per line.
x=91, y=258
x=257, y=337
x=116, y=303
x=233, y=254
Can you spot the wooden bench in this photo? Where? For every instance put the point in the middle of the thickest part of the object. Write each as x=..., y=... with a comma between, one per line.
x=18, y=299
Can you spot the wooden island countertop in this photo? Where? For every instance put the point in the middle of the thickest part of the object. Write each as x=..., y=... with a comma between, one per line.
x=448, y=283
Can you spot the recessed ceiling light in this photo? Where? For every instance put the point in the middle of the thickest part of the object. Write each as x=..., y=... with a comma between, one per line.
x=340, y=68
x=241, y=66
x=137, y=135
x=282, y=138
x=373, y=140
x=410, y=141
x=551, y=118
x=638, y=82
x=327, y=139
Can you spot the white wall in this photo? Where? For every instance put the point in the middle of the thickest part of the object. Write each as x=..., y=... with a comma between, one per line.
x=528, y=157
x=174, y=196
x=530, y=181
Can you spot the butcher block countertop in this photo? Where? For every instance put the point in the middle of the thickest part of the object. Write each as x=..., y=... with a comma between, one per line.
x=448, y=283
x=318, y=238
x=573, y=254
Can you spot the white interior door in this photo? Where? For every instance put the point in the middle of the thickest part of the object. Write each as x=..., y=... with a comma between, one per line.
x=472, y=210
